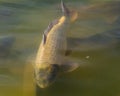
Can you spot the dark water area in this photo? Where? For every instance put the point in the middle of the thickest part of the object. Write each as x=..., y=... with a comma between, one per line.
x=94, y=41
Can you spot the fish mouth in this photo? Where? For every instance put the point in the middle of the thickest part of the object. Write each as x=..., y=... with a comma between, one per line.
x=42, y=84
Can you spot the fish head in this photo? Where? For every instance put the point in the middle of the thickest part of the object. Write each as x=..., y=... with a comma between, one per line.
x=46, y=74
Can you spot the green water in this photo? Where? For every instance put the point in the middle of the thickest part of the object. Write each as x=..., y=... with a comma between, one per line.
x=26, y=21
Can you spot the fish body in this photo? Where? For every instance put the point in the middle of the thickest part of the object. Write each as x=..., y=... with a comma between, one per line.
x=54, y=46
x=50, y=58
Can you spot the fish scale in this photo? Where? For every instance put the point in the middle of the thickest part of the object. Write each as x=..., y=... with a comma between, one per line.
x=54, y=48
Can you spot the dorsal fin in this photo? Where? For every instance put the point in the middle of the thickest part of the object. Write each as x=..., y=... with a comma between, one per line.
x=50, y=26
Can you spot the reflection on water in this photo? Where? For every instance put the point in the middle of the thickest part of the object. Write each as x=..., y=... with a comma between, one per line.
x=25, y=24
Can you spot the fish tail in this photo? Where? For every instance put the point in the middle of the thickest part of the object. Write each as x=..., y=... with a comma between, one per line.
x=73, y=15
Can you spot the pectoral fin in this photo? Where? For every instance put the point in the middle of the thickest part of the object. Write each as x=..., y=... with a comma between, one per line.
x=69, y=66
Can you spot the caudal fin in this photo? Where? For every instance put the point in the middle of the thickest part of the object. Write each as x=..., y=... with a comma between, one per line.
x=68, y=13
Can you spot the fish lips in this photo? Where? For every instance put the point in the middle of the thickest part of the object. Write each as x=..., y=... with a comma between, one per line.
x=44, y=81
x=42, y=84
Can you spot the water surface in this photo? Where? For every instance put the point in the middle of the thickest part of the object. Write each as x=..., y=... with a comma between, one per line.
x=99, y=48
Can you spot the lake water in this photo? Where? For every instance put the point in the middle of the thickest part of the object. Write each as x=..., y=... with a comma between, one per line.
x=99, y=50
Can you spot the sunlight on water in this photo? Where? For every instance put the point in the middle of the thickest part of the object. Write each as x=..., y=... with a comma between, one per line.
x=21, y=28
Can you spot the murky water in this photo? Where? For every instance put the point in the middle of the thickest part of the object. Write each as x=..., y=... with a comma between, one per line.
x=99, y=49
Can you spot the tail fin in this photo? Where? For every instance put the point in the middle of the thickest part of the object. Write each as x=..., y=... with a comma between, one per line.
x=66, y=12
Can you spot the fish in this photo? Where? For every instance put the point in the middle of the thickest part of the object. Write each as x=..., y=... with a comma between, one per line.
x=51, y=59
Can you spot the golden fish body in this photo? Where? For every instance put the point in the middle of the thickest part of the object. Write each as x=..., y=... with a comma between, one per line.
x=50, y=54
x=50, y=58
x=54, y=48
